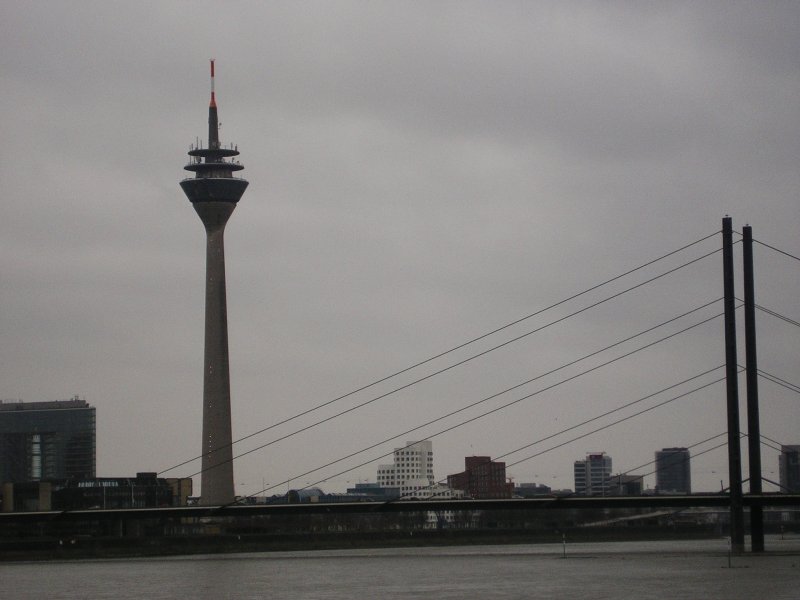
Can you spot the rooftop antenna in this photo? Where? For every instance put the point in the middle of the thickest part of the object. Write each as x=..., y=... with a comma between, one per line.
x=213, y=102
x=213, y=121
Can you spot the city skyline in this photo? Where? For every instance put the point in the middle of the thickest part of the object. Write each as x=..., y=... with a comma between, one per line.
x=670, y=464
x=412, y=187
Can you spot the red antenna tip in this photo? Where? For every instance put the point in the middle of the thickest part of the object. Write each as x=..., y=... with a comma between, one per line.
x=213, y=100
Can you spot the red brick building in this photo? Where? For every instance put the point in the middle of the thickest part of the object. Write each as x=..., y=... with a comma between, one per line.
x=482, y=479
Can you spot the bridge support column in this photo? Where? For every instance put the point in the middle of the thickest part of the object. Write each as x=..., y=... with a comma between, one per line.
x=732, y=376
x=751, y=363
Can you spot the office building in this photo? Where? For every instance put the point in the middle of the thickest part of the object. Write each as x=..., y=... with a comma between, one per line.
x=482, y=479
x=673, y=471
x=789, y=469
x=593, y=475
x=47, y=440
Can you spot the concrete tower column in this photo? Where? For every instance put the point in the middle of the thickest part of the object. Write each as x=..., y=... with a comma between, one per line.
x=217, y=463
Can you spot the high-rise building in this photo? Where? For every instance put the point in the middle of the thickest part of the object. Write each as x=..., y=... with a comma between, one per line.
x=789, y=469
x=673, y=471
x=593, y=475
x=47, y=440
x=214, y=193
x=482, y=479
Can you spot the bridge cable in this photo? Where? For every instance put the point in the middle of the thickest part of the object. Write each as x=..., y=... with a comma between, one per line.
x=776, y=249
x=609, y=425
x=444, y=369
x=627, y=418
x=652, y=462
x=597, y=367
x=673, y=463
x=781, y=382
x=769, y=445
x=480, y=416
x=471, y=341
x=769, y=439
x=610, y=478
x=778, y=315
x=773, y=313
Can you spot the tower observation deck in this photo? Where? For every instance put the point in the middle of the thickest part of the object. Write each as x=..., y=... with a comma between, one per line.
x=214, y=193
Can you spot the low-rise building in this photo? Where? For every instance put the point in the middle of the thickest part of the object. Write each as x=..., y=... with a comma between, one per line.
x=531, y=490
x=626, y=485
x=374, y=491
x=146, y=490
x=482, y=479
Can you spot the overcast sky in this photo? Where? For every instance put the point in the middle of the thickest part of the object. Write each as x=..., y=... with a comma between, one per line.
x=420, y=174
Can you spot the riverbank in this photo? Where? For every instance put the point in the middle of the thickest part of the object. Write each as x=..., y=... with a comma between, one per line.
x=87, y=547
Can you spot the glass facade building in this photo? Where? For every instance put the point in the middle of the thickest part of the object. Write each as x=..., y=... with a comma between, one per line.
x=47, y=440
x=673, y=471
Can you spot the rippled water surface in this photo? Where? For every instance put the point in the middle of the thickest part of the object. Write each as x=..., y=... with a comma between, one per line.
x=689, y=569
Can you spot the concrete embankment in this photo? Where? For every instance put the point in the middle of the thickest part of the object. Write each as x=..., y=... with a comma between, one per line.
x=121, y=547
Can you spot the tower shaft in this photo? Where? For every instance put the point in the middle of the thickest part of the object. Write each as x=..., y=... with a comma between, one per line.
x=217, y=463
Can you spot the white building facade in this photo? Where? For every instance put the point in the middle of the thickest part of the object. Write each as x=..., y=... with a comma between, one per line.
x=411, y=474
x=412, y=470
x=593, y=475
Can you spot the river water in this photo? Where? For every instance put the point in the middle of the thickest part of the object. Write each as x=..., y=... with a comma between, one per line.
x=686, y=569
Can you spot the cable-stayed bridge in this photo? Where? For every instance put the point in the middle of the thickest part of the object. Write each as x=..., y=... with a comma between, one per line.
x=709, y=312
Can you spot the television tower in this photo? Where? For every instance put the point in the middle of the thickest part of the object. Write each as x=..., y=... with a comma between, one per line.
x=214, y=192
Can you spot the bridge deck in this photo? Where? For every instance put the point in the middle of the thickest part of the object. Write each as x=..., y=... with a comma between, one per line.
x=548, y=503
